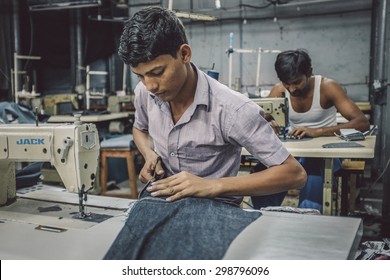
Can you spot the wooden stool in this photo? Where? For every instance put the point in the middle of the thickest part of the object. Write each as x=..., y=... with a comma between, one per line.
x=349, y=173
x=108, y=150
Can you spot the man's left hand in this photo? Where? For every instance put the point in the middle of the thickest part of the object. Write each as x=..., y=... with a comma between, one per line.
x=300, y=132
x=182, y=185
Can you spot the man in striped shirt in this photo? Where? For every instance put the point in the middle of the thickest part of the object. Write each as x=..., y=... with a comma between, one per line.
x=194, y=124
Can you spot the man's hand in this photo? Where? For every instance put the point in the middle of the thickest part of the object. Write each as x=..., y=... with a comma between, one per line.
x=272, y=123
x=152, y=168
x=182, y=185
x=300, y=132
x=275, y=126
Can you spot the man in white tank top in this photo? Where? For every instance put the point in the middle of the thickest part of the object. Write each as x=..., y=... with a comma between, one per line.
x=314, y=100
x=313, y=104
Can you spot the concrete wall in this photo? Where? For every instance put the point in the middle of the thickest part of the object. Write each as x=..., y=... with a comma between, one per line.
x=339, y=45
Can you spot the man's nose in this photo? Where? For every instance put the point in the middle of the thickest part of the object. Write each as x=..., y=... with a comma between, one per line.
x=291, y=88
x=151, y=84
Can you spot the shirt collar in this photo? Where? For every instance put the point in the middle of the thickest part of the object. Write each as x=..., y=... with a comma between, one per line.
x=202, y=96
x=202, y=93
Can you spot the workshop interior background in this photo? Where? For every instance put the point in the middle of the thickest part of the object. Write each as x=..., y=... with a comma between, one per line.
x=348, y=40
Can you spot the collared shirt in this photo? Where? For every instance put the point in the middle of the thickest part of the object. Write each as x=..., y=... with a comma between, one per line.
x=208, y=139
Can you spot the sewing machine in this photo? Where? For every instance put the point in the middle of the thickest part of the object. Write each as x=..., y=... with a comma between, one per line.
x=118, y=104
x=51, y=222
x=277, y=107
x=73, y=149
x=60, y=103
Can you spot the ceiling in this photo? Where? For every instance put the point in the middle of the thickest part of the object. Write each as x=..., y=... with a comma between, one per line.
x=258, y=9
x=220, y=10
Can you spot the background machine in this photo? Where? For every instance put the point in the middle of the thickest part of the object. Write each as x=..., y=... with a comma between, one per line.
x=277, y=108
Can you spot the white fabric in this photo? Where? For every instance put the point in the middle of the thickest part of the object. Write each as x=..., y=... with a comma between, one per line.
x=316, y=116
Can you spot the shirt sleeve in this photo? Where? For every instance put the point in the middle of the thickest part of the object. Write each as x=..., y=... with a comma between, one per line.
x=141, y=120
x=247, y=127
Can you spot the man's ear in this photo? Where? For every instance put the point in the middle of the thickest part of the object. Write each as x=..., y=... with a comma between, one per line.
x=310, y=72
x=185, y=53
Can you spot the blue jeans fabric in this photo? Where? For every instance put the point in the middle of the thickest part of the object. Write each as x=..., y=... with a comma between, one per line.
x=15, y=113
x=311, y=195
x=190, y=228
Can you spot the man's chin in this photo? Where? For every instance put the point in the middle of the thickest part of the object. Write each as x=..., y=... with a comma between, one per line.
x=296, y=93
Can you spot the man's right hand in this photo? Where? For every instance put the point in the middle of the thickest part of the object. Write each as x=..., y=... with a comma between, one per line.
x=152, y=169
x=272, y=123
x=275, y=126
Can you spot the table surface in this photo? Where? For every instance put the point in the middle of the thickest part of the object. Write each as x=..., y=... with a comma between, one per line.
x=290, y=236
x=309, y=236
x=90, y=118
x=40, y=226
x=313, y=148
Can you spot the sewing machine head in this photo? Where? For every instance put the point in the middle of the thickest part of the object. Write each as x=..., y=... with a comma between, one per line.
x=120, y=103
x=277, y=107
x=73, y=149
x=60, y=104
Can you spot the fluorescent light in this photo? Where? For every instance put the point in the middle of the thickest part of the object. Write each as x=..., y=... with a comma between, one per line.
x=195, y=16
x=63, y=5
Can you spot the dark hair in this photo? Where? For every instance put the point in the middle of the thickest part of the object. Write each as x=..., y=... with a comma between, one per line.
x=291, y=64
x=151, y=32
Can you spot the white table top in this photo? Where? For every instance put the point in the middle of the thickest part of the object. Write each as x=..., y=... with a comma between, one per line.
x=23, y=238
x=90, y=118
x=313, y=148
x=27, y=229
x=289, y=236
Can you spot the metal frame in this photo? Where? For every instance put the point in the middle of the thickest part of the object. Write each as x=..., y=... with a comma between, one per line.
x=259, y=51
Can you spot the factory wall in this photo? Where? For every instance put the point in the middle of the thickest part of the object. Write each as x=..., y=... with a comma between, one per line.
x=338, y=44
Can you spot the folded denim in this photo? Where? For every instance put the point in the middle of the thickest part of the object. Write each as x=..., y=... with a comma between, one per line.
x=190, y=228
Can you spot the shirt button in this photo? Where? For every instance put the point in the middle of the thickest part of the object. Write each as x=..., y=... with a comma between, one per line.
x=172, y=154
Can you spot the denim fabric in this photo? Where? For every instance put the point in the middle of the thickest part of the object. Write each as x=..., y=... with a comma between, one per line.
x=190, y=228
x=29, y=175
x=15, y=113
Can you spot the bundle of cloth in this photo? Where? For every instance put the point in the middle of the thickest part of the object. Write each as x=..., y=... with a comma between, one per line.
x=187, y=229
